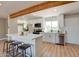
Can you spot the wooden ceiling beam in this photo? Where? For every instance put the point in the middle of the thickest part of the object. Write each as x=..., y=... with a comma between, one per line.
x=39, y=7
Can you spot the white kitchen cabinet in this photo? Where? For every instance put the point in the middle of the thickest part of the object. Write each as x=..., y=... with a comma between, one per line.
x=61, y=21
x=50, y=37
x=46, y=37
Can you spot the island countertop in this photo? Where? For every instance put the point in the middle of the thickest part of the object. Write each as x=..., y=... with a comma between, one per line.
x=29, y=38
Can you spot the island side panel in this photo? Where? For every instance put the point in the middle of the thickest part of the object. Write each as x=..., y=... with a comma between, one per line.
x=38, y=44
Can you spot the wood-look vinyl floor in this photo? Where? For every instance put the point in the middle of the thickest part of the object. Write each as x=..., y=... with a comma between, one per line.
x=52, y=50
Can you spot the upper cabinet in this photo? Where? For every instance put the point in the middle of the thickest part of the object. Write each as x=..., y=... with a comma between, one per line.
x=61, y=21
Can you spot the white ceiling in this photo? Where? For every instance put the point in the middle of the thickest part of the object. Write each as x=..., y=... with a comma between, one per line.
x=9, y=7
x=64, y=9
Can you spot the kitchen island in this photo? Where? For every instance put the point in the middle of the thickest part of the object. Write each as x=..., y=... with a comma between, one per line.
x=34, y=39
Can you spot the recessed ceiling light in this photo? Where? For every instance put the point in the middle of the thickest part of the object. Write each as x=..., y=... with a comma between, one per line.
x=0, y=4
x=55, y=10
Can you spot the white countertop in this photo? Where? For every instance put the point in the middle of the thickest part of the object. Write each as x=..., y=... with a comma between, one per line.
x=24, y=38
x=30, y=36
x=51, y=32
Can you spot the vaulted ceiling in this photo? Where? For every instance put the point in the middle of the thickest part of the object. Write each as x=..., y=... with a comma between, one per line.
x=71, y=8
x=8, y=7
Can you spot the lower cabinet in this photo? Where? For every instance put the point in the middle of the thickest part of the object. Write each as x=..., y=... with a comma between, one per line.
x=51, y=37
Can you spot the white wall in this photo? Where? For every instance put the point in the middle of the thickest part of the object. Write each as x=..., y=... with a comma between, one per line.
x=12, y=26
x=72, y=28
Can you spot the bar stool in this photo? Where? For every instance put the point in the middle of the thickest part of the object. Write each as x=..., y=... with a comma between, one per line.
x=6, y=45
x=23, y=49
x=14, y=48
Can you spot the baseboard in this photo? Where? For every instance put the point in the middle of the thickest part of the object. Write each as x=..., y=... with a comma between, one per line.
x=64, y=45
x=48, y=42
x=2, y=36
x=72, y=44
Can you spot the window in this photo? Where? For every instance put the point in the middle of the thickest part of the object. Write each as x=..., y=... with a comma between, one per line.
x=51, y=26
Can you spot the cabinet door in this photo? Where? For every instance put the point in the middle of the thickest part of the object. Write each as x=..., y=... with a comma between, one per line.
x=57, y=38
x=46, y=37
x=54, y=38
x=61, y=21
x=50, y=37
